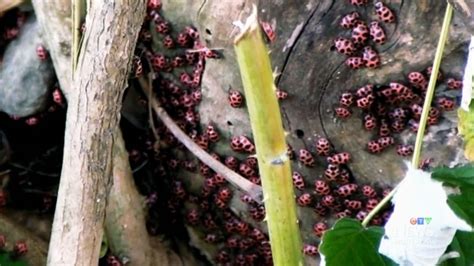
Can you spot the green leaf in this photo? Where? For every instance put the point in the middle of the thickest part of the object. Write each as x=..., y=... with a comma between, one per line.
x=462, y=204
x=458, y=176
x=463, y=243
x=6, y=260
x=349, y=243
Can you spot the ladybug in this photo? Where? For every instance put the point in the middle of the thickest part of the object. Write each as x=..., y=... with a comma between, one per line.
x=418, y=80
x=178, y=190
x=255, y=179
x=397, y=126
x=210, y=238
x=320, y=210
x=257, y=212
x=252, y=162
x=222, y=257
x=445, y=103
x=154, y=4
x=159, y=62
x=398, y=113
x=310, y=250
x=344, y=176
x=204, y=170
x=192, y=32
x=192, y=217
x=347, y=190
x=349, y=20
x=236, y=144
x=404, y=149
x=370, y=122
x=371, y=203
x=168, y=42
x=218, y=179
x=360, y=33
x=321, y=187
x=343, y=214
x=304, y=199
x=246, y=170
x=358, y=2
x=346, y=99
x=231, y=162
x=196, y=95
x=306, y=158
x=328, y=200
x=41, y=52
x=247, y=145
x=371, y=57
x=365, y=102
x=242, y=227
x=178, y=61
x=162, y=26
x=20, y=248
x=361, y=215
x=339, y=158
x=232, y=242
x=183, y=39
x=384, y=13
x=373, y=146
x=257, y=235
x=281, y=94
x=323, y=147
x=416, y=110
x=212, y=133
x=32, y=121
x=365, y=91
x=319, y=229
x=386, y=141
x=290, y=152
x=433, y=116
x=353, y=204
x=355, y=62
x=386, y=191
x=377, y=33
x=331, y=172
x=429, y=70
x=247, y=199
x=342, y=112
x=369, y=191
x=344, y=46
x=113, y=261
x=235, y=98
x=58, y=96
x=269, y=31
x=298, y=181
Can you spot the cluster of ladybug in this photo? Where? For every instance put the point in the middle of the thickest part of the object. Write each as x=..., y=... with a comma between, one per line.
x=336, y=191
x=10, y=26
x=390, y=109
x=19, y=249
x=360, y=53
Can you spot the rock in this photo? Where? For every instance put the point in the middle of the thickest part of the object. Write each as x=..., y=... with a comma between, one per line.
x=25, y=81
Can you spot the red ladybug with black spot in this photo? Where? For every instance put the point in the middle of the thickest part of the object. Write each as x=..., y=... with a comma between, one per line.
x=355, y=62
x=339, y=158
x=321, y=187
x=418, y=80
x=384, y=13
x=365, y=91
x=331, y=172
x=445, y=103
x=323, y=147
x=377, y=33
x=353, y=204
x=348, y=21
x=369, y=191
x=358, y=2
x=298, y=180
x=405, y=149
x=320, y=228
x=344, y=46
x=370, y=122
x=365, y=102
x=342, y=112
x=371, y=57
x=347, y=190
x=281, y=94
x=235, y=98
x=306, y=158
x=269, y=31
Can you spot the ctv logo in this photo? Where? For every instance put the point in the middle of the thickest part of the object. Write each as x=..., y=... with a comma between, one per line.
x=420, y=220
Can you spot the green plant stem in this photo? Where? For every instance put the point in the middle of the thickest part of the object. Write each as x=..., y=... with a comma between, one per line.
x=268, y=133
x=431, y=86
x=426, y=108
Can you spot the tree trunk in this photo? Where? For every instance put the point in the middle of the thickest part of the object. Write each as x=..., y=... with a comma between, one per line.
x=91, y=129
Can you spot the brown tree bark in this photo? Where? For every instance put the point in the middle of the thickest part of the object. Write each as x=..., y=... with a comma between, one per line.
x=91, y=129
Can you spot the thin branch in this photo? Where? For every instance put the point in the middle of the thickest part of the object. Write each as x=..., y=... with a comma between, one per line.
x=253, y=190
